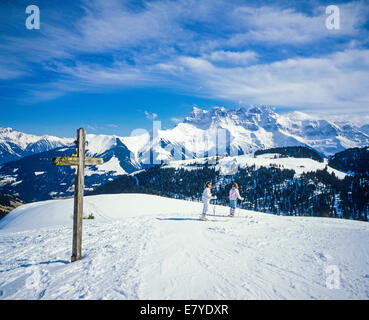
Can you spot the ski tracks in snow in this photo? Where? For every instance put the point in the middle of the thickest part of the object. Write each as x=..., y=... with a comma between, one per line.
x=175, y=256
x=38, y=266
x=257, y=257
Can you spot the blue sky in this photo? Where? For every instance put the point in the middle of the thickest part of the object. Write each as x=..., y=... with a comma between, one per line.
x=114, y=66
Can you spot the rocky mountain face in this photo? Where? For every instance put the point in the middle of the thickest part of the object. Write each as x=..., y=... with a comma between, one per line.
x=260, y=127
x=244, y=131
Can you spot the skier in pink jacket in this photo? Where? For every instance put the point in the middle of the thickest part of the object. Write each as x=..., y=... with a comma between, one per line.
x=234, y=194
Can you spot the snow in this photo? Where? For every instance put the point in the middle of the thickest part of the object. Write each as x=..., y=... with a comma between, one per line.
x=52, y=194
x=98, y=144
x=299, y=165
x=260, y=127
x=136, y=143
x=16, y=182
x=23, y=140
x=4, y=180
x=113, y=165
x=148, y=247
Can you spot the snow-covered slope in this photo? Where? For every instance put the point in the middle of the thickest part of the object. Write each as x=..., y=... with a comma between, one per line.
x=230, y=165
x=148, y=247
x=15, y=145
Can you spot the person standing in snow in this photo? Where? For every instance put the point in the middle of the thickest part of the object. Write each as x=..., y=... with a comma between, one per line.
x=206, y=197
x=234, y=194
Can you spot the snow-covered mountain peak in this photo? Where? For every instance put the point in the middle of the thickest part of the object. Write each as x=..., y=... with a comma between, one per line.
x=196, y=113
x=205, y=118
x=263, y=116
x=15, y=144
x=260, y=126
x=11, y=135
x=300, y=116
x=260, y=109
x=217, y=116
x=98, y=144
x=5, y=130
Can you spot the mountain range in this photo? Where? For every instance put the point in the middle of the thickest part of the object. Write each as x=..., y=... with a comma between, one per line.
x=25, y=160
x=260, y=127
x=15, y=144
x=218, y=130
x=35, y=177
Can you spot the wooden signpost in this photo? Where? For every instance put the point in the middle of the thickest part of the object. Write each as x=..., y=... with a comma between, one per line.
x=79, y=161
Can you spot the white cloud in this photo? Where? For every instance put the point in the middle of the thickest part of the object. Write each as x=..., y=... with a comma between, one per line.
x=89, y=127
x=150, y=115
x=176, y=120
x=10, y=68
x=334, y=82
x=271, y=25
x=166, y=48
x=232, y=57
x=7, y=72
x=107, y=26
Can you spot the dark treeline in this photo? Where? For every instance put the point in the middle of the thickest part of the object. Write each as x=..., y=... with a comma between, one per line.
x=354, y=160
x=295, y=152
x=273, y=189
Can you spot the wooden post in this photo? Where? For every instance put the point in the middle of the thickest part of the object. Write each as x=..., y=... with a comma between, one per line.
x=78, y=196
x=78, y=161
